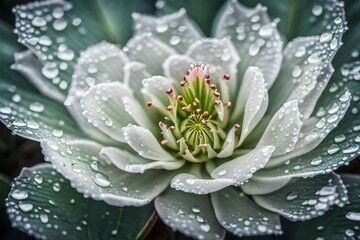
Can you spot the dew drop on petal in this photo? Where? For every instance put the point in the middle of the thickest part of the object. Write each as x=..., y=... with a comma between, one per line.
x=19, y=194
x=353, y=216
x=101, y=180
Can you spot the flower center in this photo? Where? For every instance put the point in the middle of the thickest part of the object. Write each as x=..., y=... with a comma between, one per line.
x=197, y=117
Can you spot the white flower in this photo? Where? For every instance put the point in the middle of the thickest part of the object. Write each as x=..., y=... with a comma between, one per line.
x=220, y=132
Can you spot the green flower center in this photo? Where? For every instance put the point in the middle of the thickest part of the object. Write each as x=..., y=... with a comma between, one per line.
x=197, y=117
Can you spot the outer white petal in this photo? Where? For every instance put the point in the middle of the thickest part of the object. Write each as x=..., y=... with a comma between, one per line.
x=175, y=29
x=100, y=63
x=145, y=143
x=134, y=73
x=136, y=164
x=192, y=184
x=28, y=65
x=91, y=174
x=303, y=199
x=283, y=129
x=241, y=216
x=149, y=50
x=244, y=25
x=190, y=214
x=111, y=106
x=252, y=101
x=317, y=128
x=260, y=184
x=242, y=168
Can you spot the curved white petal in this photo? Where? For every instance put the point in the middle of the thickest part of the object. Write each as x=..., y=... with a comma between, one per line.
x=145, y=143
x=100, y=63
x=283, y=129
x=27, y=64
x=192, y=184
x=255, y=38
x=303, y=199
x=241, y=216
x=315, y=129
x=260, y=184
x=91, y=174
x=111, y=106
x=149, y=50
x=242, y=168
x=135, y=164
x=174, y=29
x=252, y=101
x=190, y=214
x=134, y=73
x=175, y=67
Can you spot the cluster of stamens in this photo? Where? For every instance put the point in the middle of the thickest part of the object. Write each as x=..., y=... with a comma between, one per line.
x=196, y=117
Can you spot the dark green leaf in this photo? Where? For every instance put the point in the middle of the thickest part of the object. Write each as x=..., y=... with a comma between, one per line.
x=43, y=204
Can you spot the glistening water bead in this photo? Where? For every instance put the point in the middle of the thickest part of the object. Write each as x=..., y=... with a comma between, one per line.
x=197, y=117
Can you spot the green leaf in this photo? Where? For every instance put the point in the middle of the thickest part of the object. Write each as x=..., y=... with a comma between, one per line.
x=338, y=223
x=43, y=204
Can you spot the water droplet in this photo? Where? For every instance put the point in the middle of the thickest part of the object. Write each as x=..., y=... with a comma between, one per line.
x=333, y=149
x=254, y=49
x=56, y=187
x=205, y=227
x=37, y=107
x=50, y=70
x=296, y=72
x=316, y=161
x=32, y=125
x=174, y=40
x=101, y=180
x=5, y=110
x=94, y=165
x=317, y=10
x=262, y=228
x=326, y=37
x=26, y=207
x=76, y=168
x=66, y=54
x=353, y=216
x=222, y=172
x=349, y=232
x=327, y=190
x=300, y=51
x=57, y=133
x=59, y=24
x=266, y=31
x=161, y=28
x=38, y=179
x=351, y=149
x=195, y=209
x=38, y=22
x=19, y=194
x=291, y=196
x=314, y=58
x=44, y=218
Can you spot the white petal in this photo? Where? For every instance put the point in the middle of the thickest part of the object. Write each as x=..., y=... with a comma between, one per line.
x=218, y=54
x=91, y=174
x=283, y=129
x=107, y=106
x=28, y=65
x=242, y=168
x=241, y=216
x=252, y=101
x=190, y=214
x=155, y=89
x=192, y=184
x=176, y=66
x=316, y=129
x=149, y=50
x=145, y=144
x=136, y=164
x=100, y=63
x=174, y=29
x=260, y=184
x=229, y=143
x=244, y=25
x=303, y=199
x=134, y=73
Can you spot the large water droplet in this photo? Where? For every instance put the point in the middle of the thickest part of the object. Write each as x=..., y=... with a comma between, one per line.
x=37, y=107
x=101, y=180
x=26, y=207
x=38, y=22
x=354, y=216
x=19, y=194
